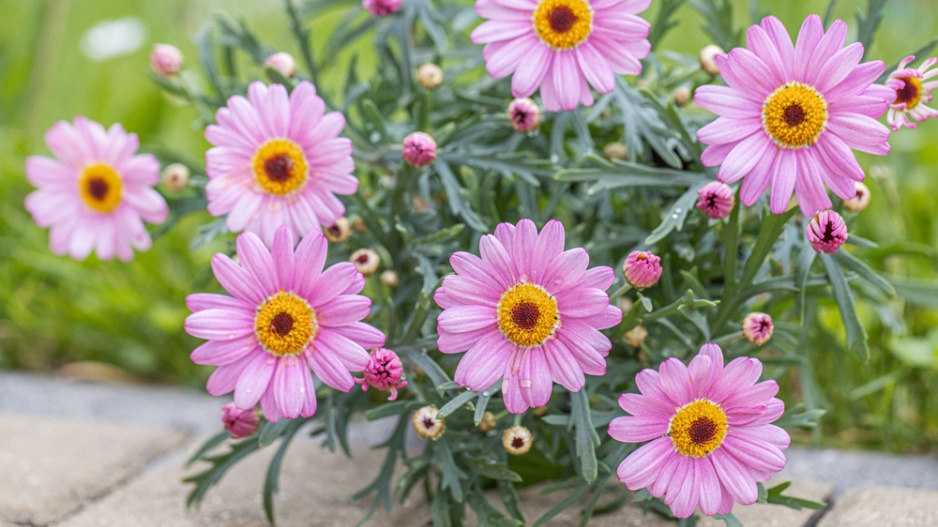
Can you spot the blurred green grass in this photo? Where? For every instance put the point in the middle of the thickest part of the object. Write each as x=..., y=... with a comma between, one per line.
x=57, y=311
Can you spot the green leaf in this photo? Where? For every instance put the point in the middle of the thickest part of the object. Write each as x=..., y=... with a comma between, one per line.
x=919, y=292
x=269, y=432
x=798, y=416
x=495, y=470
x=586, y=437
x=729, y=519
x=856, y=333
x=213, y=442
x=674, y=220
x=271, y=481
x=571, y=498
x=455, y=199
x=718, y=18
x=451, y=475
x=802, y=270
x=851, y=262
x=775, y=496
x=867, y=24
x=483, y=401
x=455, y=403
x=664, y=22
x=391, y=408
x=220, y=464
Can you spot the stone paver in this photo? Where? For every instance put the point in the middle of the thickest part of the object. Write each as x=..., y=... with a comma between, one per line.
x=51, y=467
x=847, y=470
x=882, y=506
x=765, y=515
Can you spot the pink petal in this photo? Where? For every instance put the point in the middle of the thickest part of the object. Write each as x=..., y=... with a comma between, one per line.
x=332, y=283
x=725, y=130
x=566, y=74
x=740, y=373
x=565, y=270
x=352, y=356
x=256, y=260
x=366, y=336
x=463, y=319
x=726, y=102
x=783, y=181
x=647, y=406
x=308, y=261
x=564, y=369
x=289, y=386
x=582, y=302
x=735, y=477
x=484, y=363
x=640, y=468
x=808, y=37
x=637, y=429
x=327, y=367
x=711, y=492
x=254, y=380
x=236, y=280
x=742, y=159
x=221, y=352
x=534, y=378
x=219, y=324
x=468, y=291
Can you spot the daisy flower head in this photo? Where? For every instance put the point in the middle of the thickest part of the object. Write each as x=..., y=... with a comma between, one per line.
x=913, y=90
x=285, y=316
x=709, y=429
x=791, y=115
x=277, y=160
x=96, y=192
x=528, y=312
x=562, y=46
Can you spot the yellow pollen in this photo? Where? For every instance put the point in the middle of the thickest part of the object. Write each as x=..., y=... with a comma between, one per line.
x=911, y=93
x=563, y=24
x=100, y=186
x=527, y=315
x=285, y=324
x=698, y=428
x=280, y=166
x=794, y=115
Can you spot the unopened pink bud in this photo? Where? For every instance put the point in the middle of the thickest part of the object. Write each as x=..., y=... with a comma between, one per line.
x=241, y=423
x=716, y=200
x=384, y=371
x=642, y=269
x=165, y=59
x=382, y=7
x=757, y=328
x=827, y=231
x=282, y=62
x=524, y=114
x=419, y=149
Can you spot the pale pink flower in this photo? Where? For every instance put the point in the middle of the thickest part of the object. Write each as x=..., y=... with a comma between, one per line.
x=524, y=115
x=382, y=7
x=912, y=93
x=528, y=312
x=642, y=269
x=165, y=59
x=241, y=423
x=827, y=231
x=278, y=160
x=716, y=200
x=384, y=371
x=419, y=149
x=286, y=315
x=711, y=440
x=757, y=328
x=562, y=46
x=95, y=194
x=790, y=116
x=282, y=62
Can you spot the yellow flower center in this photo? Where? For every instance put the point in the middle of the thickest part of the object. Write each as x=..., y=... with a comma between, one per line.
x=563, y=24
x=794, y=115
x=911, y=93
x=698, y=428
x=527, y=315
x=100, y=186
x=285, y=324
x=280, y=166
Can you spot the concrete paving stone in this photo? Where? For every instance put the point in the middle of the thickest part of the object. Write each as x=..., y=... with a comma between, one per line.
x=882, y=506
x=51, y=467
x=766, y=515
x=846, y=470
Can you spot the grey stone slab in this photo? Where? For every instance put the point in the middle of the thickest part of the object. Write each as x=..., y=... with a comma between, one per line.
x=847, y=470
x=881, y=506
x=52, y=467
x=765, y=515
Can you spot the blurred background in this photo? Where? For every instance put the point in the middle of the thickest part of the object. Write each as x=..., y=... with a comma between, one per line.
x=117, y=321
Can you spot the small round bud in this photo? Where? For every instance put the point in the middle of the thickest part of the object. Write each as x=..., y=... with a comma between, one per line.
x=359, y=225
x=757, y=328
x=488, y=422
x=540, y=411
x=859, y=202
x=175, y=176
x=384, y=371
x=419, y=149
x=366, y=261
x=635, y=336
x=427, y=425
x=517, y=440
x=716, y=200
x=681, y=95
x=390, y=278
x=707, y=61
x=827, y=231
x=241, y=423
x=282, y=62
x=430, y=76
x=642, y=269
x=382, y=7
x=165, y=59
x=615, y=152
x=524, y=115
x=339, y=231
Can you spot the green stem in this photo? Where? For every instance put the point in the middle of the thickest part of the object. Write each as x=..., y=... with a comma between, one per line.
x=619, y=292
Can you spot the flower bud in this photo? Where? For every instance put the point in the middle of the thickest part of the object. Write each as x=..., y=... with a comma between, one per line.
x=635, y=336
x=540, y=411
x=681, y=95
x=642, y=269
x=241, y=423
x=339, y=231
x=359, y=225
x=384, y=371
x=175, y=176
x=430, y=76
x=366, y=261
x=165, y=59
x=282, y=62
x=382, y=7
x=716, y=200
x=390, y=278
x=419, y=149
x=707, y=62
x=524, y=114
x=488, y=422
x=859, y=202
x=615, y=152
x=517, y=440
x=427, y=425
x=757, y=328
x=827, y=232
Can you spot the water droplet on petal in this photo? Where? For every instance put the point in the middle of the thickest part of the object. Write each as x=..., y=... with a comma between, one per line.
x=302, y=389
x=248, y=390
x=526, y=383
x=230, y=336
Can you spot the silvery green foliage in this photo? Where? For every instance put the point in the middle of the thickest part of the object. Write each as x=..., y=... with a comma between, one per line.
x=714, y=271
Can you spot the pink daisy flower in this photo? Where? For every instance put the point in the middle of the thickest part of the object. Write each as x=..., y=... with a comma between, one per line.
x=790, y=115
x=528, y=312
x=285, y=316
x=95, y=194
x=562, y=46
x=711, y=440
x=912, y=92
x=278, y=160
